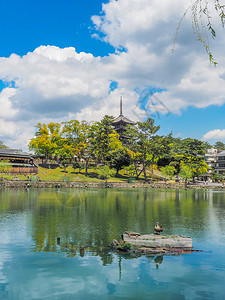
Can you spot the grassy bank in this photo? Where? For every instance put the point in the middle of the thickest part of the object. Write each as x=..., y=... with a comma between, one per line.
x=59, y=174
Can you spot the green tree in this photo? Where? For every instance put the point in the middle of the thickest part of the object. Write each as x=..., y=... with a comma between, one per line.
x=198, y=168
x=65, y=150
x=102, y=141
x=185, y=173
x=75, y=134
x=77, y=165
x=105, y=172
x=89, y=145
x=217, y=177
x=219, y=146
x=65, y=163
x=130, y=170
x=191, y=152
x=167, y=155
x=46, y=139
x=71, y=131
x=144, y=144
x=103, y=134
x=168, y=171
x=189, y=148
x=120, y=158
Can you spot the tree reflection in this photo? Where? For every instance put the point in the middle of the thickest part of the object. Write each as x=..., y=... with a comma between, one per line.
x=88, y=220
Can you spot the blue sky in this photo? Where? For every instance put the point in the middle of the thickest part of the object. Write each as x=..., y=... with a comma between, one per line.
x=28, y=24
x=61, y=60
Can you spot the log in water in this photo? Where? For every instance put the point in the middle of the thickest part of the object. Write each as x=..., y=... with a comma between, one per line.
x=158, y=241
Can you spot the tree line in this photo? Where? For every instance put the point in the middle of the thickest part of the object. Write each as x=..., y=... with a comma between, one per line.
x=137, y=152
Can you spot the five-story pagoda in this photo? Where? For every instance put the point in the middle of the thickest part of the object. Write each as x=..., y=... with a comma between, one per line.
x=121, y=122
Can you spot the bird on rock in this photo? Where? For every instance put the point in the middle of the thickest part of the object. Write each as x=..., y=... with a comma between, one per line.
x=158, y=228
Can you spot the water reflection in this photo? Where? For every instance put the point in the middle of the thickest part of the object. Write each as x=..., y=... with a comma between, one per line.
x=158, y=260
x=92, y=219
x=60, y=238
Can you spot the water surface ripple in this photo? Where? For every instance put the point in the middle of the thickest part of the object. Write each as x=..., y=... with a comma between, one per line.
x=33, y=265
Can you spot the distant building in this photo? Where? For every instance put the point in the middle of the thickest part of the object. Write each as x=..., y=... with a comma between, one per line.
x=18, y=161
x=210, y=159
x=215, y=159
x=121, y=122
x=220, y=162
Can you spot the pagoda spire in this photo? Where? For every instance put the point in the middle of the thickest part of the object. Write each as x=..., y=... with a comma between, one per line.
x=121, y=106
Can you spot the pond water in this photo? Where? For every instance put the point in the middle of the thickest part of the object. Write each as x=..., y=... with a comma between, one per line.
x=34, y=266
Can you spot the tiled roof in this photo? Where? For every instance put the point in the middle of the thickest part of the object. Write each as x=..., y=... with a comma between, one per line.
x=123, y=119
x=14, y=152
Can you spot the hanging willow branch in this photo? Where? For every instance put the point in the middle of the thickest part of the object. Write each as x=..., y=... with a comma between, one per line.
x=201, y=23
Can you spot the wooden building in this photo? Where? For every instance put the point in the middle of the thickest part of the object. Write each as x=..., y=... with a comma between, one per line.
x=121, y=122
x=17, y=162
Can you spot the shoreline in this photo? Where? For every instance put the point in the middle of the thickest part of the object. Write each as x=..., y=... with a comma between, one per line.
x=123, y=185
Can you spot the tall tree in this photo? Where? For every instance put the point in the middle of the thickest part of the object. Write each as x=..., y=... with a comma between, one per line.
x=105, y=172
x=190, y=152
x=87, y=145
x=46, y=139
x=120, y=158
x=168, y=171
x=144, y=144
x=219, y=146
x=105, y=136
x=185, y=173
x=75, y=134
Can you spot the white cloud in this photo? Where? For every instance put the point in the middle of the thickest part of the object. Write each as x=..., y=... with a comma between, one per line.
x=54, y=84
x=7, y=111
x=128, y=20
x=16, y=134
x=53, y=72
x=62, y=55
x=147, y=30
x=216, y=134
x=110, y=105
x=7, y=128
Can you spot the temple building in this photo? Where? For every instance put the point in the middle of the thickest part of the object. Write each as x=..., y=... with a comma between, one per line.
x=121, y=122
x=18, y=162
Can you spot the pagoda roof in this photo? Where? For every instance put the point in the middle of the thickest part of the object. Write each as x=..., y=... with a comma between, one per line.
x=123, y=119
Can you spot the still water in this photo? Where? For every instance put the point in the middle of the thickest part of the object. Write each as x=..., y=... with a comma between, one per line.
x=34, y=266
